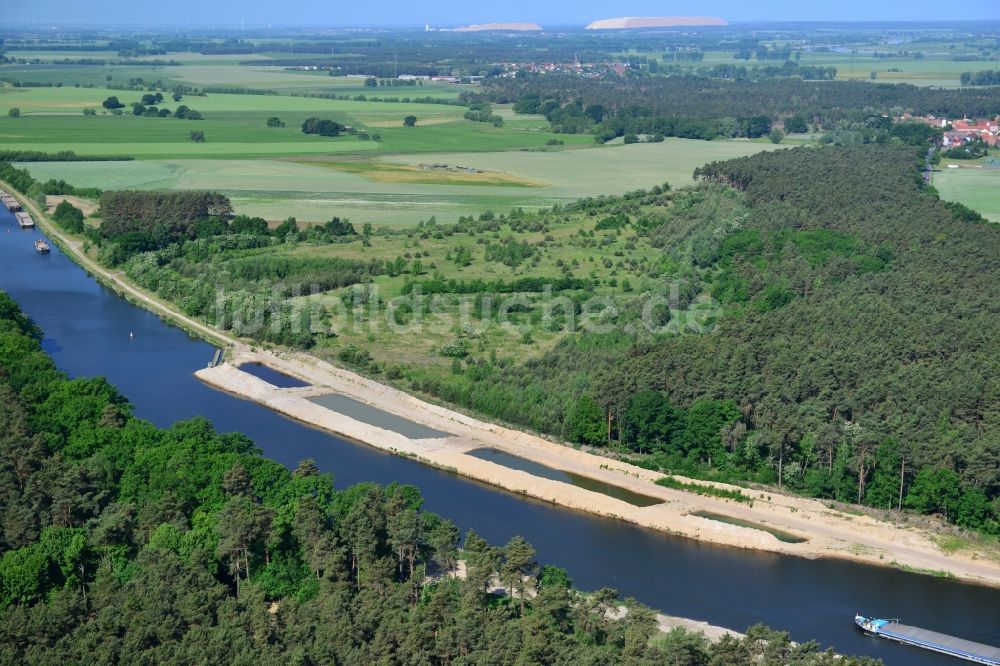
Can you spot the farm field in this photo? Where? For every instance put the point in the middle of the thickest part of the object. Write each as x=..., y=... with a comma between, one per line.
x=301, y=81
x=316, y=189
x=234, y=126
x=203, y=70
x=940, y=66
x=979, y=189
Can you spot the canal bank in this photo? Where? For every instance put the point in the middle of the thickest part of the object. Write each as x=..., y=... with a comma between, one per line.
x=87, y=332
x=813, y=528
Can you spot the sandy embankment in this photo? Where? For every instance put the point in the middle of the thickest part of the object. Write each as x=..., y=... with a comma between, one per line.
x=829, y=533
x=641, y=22
x=500, y=27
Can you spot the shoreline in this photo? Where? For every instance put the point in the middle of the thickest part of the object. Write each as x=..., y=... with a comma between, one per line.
x=829, y=533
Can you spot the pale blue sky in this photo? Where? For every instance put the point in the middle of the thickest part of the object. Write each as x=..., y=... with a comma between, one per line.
x=416, y=13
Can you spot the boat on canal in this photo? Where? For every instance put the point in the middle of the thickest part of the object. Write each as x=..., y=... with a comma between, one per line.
x=41, y=247
x=953, y=646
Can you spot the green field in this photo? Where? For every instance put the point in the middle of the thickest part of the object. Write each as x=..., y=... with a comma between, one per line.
x=280, y=172
x=941, y=64
x=977, y=188
x=234, y=126
x=313, y=191
x=201, y=71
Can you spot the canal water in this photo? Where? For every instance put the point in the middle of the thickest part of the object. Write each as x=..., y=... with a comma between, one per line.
x=89, y=330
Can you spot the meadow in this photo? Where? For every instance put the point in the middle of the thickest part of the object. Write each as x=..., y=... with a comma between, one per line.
x=487, y=287
x=977, y=188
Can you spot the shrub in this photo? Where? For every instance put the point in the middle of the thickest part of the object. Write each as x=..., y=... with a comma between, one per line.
x=322, y=127
x=69, y=217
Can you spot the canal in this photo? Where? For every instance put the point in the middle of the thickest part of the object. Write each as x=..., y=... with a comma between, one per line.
x=89, y=330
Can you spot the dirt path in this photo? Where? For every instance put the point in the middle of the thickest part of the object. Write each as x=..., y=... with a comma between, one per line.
x=828, y=532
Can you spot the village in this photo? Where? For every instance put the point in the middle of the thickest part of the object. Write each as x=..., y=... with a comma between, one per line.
x=961, y=132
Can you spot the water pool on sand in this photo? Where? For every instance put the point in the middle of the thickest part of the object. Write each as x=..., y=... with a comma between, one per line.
x=272, y=376
x=538, y=469
x=359, y=411
x=777, y=534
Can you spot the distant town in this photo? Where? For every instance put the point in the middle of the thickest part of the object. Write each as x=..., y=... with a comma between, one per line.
x=961, y=132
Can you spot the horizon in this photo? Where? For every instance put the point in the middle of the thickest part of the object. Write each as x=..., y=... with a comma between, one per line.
x=985, y=25
x=398, y=15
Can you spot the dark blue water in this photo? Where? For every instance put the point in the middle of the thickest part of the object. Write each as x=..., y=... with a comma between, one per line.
x=87, y=332
x=272, y=376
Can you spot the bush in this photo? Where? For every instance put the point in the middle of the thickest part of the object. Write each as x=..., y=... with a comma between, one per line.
x=69, y=217
x=796, y=125
x=322, y=127
x=699, y=489
x=456, y=349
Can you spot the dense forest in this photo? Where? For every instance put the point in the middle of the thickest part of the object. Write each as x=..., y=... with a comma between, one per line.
x=696, y=107
x=124, y=543
x=857, y=343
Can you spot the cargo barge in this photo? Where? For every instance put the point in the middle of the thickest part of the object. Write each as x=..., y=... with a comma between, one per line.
x=929, y=640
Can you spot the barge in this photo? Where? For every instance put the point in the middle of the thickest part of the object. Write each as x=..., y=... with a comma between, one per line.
x=10, y=203
x=929, y=640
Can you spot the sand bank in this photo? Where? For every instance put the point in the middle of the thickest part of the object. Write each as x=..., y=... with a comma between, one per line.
x=827, y=533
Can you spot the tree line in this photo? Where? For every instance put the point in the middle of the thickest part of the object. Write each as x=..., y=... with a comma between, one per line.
x=693, y=107
x=987, y=77
x=22, y=180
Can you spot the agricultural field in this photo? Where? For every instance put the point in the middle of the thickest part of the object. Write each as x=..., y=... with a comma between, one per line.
x=195, y=69
x=278, y=172
x=235, y=126
x=397, y=190
x=940, y=63
x=976, y=187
